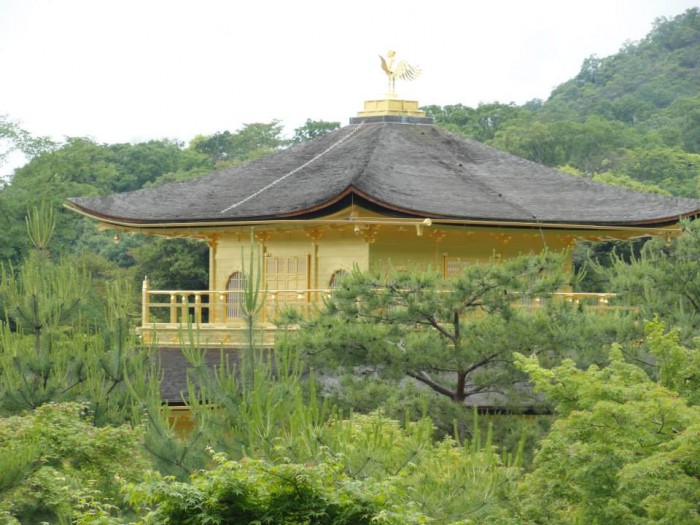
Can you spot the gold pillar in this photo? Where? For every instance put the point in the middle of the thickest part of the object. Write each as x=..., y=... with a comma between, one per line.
x=145, y=306
x=262, y=238
x=438, y=236
x=213, y=243
x=314, y=234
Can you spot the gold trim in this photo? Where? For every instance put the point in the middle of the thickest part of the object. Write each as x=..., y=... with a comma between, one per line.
x=203, y=228
x=398, y=107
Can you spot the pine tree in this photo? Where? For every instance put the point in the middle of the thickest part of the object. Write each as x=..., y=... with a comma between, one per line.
x=49, y=348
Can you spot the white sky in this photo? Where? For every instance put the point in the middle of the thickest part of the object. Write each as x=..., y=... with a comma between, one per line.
x=132, y=70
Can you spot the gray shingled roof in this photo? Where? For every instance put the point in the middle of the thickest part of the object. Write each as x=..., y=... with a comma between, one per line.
x=411, y=169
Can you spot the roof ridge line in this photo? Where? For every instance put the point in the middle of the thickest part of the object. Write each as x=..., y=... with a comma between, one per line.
x=295, y=170
x=365, y=166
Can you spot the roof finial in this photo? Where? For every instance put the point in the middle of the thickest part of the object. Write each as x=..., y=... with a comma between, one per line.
x=403, y=70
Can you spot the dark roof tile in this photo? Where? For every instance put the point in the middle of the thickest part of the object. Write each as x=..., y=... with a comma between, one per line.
x=412, y=169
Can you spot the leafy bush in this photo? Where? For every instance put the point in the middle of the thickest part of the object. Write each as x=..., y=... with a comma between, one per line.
x=257, y=491
x=624, y=448
x=54, y=460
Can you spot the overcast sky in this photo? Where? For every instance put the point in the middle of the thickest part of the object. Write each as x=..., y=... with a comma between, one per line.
x=132, y=70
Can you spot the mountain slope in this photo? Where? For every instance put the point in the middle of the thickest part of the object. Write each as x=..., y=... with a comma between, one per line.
x=643, y=78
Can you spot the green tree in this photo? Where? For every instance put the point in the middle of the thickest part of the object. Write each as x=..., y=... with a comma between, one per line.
x=537, y=141
x=689, y=114
x=590, y=146
x=49, y=351
x=641, y=79
x=250, y=142
x=594, y=144
x=313, y=129
x=81, y=167
x=74, y=169
x=623, y=448
x=79, y=161
x=55, y=462
x=625, y=181
x=144, y=163
x=406, y=473
x=39, y=300
x=449, y=480
x=454, y=335
x=480, y=123
x=14, y=138
x=663, y=280
x=256, y=491
x=172, y=264
x=671, y=169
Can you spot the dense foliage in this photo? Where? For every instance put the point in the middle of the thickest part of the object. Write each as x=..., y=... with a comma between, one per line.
x=456, y=335
x=256, y=491
x=55, y=461
x=624, y=448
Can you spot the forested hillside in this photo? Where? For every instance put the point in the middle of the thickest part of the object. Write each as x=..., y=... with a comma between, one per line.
x=631, y=119
x=650, y=84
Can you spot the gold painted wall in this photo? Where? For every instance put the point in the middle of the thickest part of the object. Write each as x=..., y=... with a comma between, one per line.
x=355, y=235
x=332, y=248
x=402, y=248
x=340, y=249
x=328, y=250
x=316, y=250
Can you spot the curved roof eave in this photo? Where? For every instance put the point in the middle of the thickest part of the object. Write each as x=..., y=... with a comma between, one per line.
x=656, y=226
x=400, y=170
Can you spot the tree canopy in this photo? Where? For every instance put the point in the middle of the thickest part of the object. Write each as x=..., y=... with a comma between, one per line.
x=624, y=448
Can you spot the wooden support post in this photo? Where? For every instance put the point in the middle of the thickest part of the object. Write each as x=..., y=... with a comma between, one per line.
x=173, y=308
x=184, y=317
x=145, y=306
x=308, y=277
x=214, y=298
x=222, y=308
x=198, y=308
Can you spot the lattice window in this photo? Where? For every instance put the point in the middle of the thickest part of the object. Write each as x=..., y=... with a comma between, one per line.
x=335, y=278
x=452, y=266
x=287, y=283
x=235, y=286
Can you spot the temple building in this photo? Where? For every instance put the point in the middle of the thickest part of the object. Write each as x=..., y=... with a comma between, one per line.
x=388, y=190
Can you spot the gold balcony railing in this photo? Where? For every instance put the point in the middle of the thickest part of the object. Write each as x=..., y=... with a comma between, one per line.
x=222, y=306
x=166, y=312
x=225, y=307
x=218, y=314
x=600, y=301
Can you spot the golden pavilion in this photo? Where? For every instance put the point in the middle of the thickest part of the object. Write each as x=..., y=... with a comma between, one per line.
x=388, y=189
